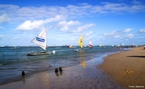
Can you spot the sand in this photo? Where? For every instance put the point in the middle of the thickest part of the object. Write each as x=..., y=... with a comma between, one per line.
x=126, y=68
x=123, y=70
x=82, y=76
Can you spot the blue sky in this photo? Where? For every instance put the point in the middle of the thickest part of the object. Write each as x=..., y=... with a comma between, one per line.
x=107, y=22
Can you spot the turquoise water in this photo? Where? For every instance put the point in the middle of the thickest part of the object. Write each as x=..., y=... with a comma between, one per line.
x=14, y=59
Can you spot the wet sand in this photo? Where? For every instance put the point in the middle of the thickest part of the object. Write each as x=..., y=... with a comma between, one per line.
x=83, y=76
x=126, y=68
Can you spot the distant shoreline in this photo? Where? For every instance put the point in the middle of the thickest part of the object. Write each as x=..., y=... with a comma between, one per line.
x=126, y=68
x=125, y=46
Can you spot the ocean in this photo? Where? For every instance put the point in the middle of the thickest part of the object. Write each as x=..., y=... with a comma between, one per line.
x=14, y=60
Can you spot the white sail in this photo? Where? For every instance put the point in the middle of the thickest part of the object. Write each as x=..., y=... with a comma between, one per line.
x=90, y=44
x=41, y=39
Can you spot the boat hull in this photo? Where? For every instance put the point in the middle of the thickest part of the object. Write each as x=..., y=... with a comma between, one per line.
x=79, y=50
x=38, y=54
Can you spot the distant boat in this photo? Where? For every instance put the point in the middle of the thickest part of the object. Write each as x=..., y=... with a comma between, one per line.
x=90, y=44
x=14, y=47
x=70, y=46
x=100, y=45
x=40, y=40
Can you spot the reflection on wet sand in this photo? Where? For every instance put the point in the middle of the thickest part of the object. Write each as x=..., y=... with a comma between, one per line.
x=45, y=80
x=58, y=73
x=82, y=63
x=23, y=79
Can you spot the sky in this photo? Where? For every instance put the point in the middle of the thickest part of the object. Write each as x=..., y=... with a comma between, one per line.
x=106, y=22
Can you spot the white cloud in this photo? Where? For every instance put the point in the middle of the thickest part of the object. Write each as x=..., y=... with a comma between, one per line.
x=74, y=39
x=64, y=26
x=117, y=36
x=136, y=2
x=114, y=7
x=142, y=30
x=84, y=27
x=127, y=30
x=4, y=18
x=89, y=33
x=130, y=35
x=8, y=8
x=42, y=12
x=30, y=25
x=2, y=36
x=111, y=34
x=108, y=7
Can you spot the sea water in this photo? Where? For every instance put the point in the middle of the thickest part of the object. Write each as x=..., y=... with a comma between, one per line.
x=14, y=60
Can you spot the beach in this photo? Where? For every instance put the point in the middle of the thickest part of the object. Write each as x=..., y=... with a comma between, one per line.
x=85, y=75
x=126, y=68
x=122, y=69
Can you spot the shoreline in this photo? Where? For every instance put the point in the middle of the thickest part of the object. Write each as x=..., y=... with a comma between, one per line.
x=82, y=76
x=126, y=68
x=28, y=74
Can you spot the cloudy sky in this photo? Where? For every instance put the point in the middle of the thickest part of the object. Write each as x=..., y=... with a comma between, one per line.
x=107, y=22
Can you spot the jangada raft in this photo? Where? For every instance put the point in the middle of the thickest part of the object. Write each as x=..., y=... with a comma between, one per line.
x=40, y=53
x=40, y=40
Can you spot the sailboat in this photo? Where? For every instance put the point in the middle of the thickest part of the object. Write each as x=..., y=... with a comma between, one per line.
x=81, y=43
x=90, y=44
x=40, y=40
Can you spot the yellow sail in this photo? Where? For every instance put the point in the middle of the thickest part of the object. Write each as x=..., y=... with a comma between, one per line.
x=81, y=41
